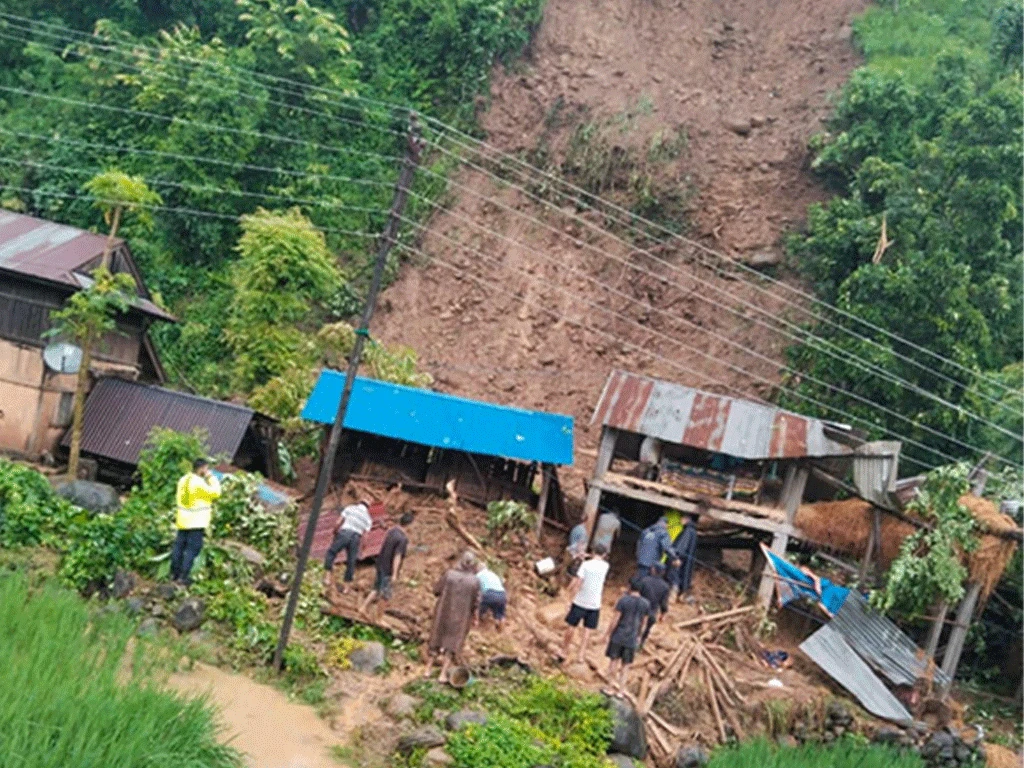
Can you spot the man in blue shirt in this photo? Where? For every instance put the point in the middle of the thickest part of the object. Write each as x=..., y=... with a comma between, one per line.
x=654, y=543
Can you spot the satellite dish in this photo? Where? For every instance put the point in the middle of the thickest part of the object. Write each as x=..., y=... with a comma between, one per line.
x=62, y=357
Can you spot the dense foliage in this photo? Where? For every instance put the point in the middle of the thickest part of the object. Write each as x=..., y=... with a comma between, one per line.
x=926, y=140
x=930, y=565
x=532, y=721
x=222, y=108
x=72, y=694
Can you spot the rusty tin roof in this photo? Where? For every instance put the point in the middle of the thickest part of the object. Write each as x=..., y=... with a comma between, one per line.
x=692, y=417
x=57, y=253
x=119, y=415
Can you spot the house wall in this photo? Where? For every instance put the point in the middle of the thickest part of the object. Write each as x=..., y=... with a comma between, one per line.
x=32, y=415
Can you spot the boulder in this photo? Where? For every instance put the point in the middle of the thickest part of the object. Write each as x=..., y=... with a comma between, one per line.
x=124, y=583
x=621, y=761
x=367, y=658
x=628, y=735
x=427, y=737
x=134, y=605
x=95, y=497
x=552, y=614
x=738, y=125
x=401, y=705
x=764, y=259
x=437, y=756
x=189, y=615
x=691, y=757
x=166, y=591
x=456, y=721
x=252, y=556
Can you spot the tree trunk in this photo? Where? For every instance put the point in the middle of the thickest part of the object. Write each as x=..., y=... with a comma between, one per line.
x=78, y=410
x=108, y=249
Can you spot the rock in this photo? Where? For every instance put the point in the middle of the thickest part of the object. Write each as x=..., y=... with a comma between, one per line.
x=691, y=757
x=887, y=734
x=622, y=761
x=738, y=125
x=763, y=259
x=124, y=583
x=628, y=736
x=189, y=615
x=157, y=611
x=134, y=605
x=756, y=121
x=401, y=705
x=551, y=615
x=95, y=497
x=427, y=737
x=148, y=627
x=247, y=553
x=166, y=591
x=838, y=713
x=437, y=756
x=368, y=658
x=456, y=721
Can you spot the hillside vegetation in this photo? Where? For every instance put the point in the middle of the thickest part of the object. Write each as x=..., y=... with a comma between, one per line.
x=925, y=141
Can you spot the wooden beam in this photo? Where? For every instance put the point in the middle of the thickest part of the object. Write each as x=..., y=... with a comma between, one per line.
x=792, y=495
x=869, y=550
x=744, y=521
x=935, y=633
x=955, y=647
x=605, y=454
x=835, y=482
x=542, y=502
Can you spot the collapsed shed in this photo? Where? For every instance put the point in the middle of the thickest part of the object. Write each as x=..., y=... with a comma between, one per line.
x=119, y=416
x=744, y=464
x=423, y=439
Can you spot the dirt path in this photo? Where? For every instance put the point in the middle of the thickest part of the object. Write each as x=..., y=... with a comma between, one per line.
x=260, y=721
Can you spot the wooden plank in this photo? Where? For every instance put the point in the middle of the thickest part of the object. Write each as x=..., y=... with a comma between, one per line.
x=732, y=614
x=542, y=502
x=605, y=454
x=713, y=502
x=734, y=518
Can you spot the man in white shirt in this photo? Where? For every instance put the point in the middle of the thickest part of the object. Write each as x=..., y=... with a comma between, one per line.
x=493, y=599
x=353, y=522
x=588, y=585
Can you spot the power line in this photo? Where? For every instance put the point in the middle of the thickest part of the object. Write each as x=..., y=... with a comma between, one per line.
x=846, y=356
x=647, y=352
x=595, y=281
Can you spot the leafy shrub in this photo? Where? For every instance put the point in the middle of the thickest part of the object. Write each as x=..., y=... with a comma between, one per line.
x=502, y=742
x=29, y=509
x=507, y=517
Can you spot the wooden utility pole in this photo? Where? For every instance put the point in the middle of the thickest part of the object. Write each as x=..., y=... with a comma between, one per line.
x=387, y=241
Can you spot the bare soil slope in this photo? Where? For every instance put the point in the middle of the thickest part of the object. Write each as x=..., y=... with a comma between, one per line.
x=513, y=300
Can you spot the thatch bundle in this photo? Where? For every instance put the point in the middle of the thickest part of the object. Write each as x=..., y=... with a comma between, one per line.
x=845, y=527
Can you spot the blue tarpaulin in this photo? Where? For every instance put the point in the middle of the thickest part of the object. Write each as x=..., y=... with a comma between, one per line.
x=792, y=583
x=443, y=421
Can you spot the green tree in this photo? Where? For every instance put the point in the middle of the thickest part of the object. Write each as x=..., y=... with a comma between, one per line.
x=283, y=278
x=116, y=193
x=85, y=318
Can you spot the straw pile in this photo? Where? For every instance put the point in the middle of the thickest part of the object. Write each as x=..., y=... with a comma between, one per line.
x=845, y=526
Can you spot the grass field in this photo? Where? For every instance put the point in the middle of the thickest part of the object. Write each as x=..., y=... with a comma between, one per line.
x=73, y=694
x=846, y=754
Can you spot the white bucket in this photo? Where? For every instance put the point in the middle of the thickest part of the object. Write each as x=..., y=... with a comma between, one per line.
x=545, y=566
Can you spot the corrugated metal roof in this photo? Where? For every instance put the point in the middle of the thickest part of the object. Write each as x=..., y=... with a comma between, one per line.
x=875, y=467
x=688, y=416
x=119, y=415
x=57, y=253
x=882, y=644
x=830, y=651
x=369, y=545
x=443, y=421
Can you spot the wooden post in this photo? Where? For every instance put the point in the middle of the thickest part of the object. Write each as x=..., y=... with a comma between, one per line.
x=792, y=495
x=542, y=502
x=605, y=454
x=955, y=647
x=935, y=633
x=874, y=543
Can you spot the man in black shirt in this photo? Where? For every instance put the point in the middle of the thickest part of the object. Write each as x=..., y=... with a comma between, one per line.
x=388, y=562
x=654, y=589
x=622, y=637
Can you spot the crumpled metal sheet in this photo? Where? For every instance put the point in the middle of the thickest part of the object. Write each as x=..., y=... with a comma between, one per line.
x=882, y=644
x=830, y=651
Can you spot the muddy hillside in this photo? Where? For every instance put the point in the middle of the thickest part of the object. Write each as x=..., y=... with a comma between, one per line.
x=696, y=114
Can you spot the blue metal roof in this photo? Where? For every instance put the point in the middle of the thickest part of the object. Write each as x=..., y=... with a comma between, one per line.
x=443, y=421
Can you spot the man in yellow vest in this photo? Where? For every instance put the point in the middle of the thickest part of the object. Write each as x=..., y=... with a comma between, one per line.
x=196, y=493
